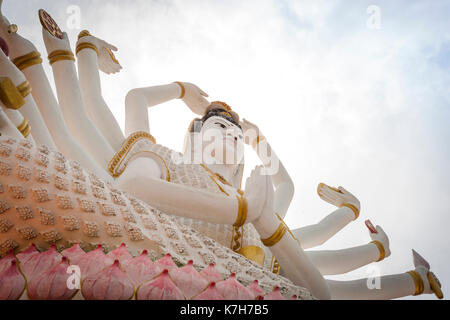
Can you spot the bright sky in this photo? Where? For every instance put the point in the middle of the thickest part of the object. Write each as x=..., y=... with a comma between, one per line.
x=340, y=102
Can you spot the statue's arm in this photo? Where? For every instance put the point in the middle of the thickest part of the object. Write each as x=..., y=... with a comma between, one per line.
x=282, y=182
x=6, y=126
x=71, y=102
x=28, y=60
x=92, y=51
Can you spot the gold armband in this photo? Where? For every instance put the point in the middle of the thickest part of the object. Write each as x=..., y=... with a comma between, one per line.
x=257, y=141
x=353, y=208
x=418, y=282
x=27, y=60
x=11, y=96
x=60, y=55
x=276, y=236
x=83, y=33
x=85, y=45
x=24, y=128
x=242, y=211
x=380, y=248
x=183, y=90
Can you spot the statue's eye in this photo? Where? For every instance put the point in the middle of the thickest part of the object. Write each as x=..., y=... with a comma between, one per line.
x=221, y=125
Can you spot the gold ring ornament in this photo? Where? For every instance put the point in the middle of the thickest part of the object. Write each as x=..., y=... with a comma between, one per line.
x=276, y=236
x=183, y=89
x=353, y=208
x=28, y=60
x=418, y=282
x=60, y=55
x=86, y=45
x=257, y=141
x=242, y=211
x=11, y=96
x=49, y=24
x=380, y=248
x=84, y=33
x=435, y=285
x=24, y=128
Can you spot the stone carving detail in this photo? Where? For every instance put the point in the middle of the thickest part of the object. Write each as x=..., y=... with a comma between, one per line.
x=24, y=173
x=25, y=212
x=5, y=169
x=27, y=232
x=71, y=223
x=4, y=206
x=47, y=217
x=5, y=225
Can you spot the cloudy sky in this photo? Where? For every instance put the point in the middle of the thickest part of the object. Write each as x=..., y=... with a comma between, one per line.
x=341, y=101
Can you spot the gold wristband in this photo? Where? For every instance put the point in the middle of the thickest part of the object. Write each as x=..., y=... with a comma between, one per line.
x=11, y=96
x=183, y=90
x=276, y=236
x=242, y=212
x=27, y=60
x=353, y=208
x=60, y=55
x=380, y=248
x=85, y=45
x=418, y=282
x=257, y=141
x=24, y=128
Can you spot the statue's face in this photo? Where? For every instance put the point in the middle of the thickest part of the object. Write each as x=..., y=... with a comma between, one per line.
x=222, y=141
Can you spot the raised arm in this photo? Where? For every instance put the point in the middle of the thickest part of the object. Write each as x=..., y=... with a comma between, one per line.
x=139, y=100
x=317, y=234
x=26, y=58
x=71, y=102
x=94, y=54
x=282, y=182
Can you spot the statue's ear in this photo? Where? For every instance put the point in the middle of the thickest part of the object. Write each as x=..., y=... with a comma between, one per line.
x=195, y=125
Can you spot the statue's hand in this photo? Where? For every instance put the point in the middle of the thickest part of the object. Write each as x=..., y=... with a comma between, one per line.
x=259, y=194
x=383, y=238
x=107, y=62
x=18, y=46
x=337, y=197
x=53, y=43
x=194, y=97
x=251, y=131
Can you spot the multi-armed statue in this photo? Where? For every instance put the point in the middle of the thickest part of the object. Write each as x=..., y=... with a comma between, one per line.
x=116, y=190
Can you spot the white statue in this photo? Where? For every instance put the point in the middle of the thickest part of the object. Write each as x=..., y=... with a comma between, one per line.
x=87, y=132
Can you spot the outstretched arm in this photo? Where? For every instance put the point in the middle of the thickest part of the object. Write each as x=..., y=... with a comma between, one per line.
x=331, y=262
x=94, y=54
x=139, y=100
x=317, y=234
x=282, y=182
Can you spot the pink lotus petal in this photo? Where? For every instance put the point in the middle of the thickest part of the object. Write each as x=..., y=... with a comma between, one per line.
x=211, y=293
x=121, y=253
x=51, y=284
x=256, y=289
x=93, y=262
x=12, y=282
x=210, y=274
x=275, y=295
x=232, y=289
x=39, y=263
x=5, y=262
x=161, y=288
x=110, y=283
x=141, y=269
x=294, y=297
x=25, y=255
x=166, y=262
x=188, y=280
x=73, y=253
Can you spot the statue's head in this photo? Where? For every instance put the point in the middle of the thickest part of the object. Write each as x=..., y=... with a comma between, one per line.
x=217, y=138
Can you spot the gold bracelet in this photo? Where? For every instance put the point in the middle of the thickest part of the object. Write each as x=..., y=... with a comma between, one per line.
x=380, y=248
x=60, y=55
x=24, y=128
x=418, y=282
x=24, y=89
x=276, y=236
x=27, y=60
x=183, y=90
x=353, y=208
x=242, y=212
x=257, y=141
x=13, y=97
x=85, y=45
